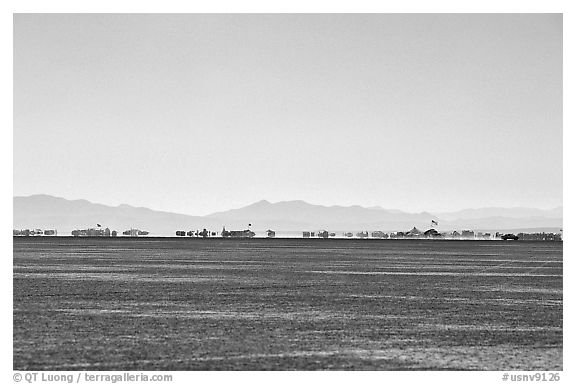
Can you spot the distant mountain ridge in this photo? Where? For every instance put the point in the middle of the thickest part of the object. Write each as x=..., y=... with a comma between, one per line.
x=44, y=211
x=516, y=212
x=336, y=217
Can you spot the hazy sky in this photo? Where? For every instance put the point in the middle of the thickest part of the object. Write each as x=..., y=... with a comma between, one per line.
x=199, y=113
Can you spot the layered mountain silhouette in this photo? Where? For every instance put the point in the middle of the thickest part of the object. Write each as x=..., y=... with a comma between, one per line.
x=44, y=211
x=298, y=215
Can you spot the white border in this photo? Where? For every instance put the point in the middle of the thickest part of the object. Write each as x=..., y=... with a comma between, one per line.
x=294, y=6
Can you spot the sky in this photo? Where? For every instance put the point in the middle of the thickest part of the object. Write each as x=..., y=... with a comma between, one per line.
x=197, y=113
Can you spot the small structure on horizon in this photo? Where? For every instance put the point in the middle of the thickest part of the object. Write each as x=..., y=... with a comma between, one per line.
x=34, y=232
x=414, y=232
x=432, y=233
x=379, y=235
x=92, y=232
x=133, y=232
x=247, y=233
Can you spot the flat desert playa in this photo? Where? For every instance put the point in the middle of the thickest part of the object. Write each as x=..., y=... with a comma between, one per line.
x=286, y=304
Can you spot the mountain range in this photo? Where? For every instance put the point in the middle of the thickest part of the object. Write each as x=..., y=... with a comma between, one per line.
x=49, y=212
